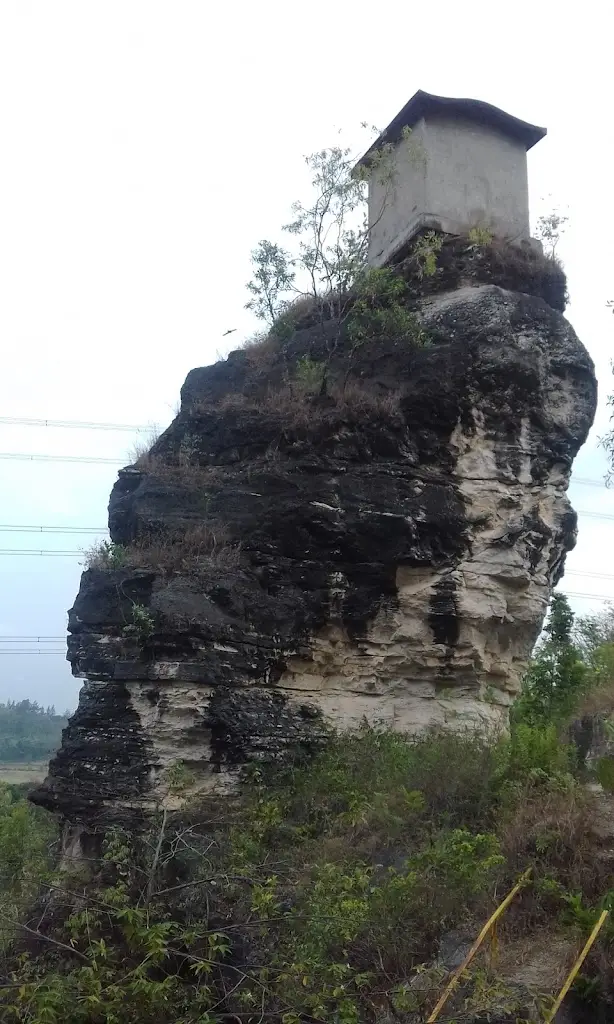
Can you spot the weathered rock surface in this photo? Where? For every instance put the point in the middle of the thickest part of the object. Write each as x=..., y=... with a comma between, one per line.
x=397, y=551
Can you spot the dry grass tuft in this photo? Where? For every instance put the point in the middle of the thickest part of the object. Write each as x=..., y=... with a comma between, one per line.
x=552, y=830
x=261, y=350
x=296, y=408
x=197, y=547
x=200, y=546
x=179, y=472
x=143, y=445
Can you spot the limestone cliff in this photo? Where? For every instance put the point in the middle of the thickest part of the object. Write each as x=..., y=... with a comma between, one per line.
x=380, y=547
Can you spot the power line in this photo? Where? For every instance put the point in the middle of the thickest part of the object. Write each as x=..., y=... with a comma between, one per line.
x=593, y=515
x=33, y=651
x=42, y=551
x=74, y=424
x=38, y=457
x=587, y=481
x=31, y=528
x=45, y=651
x=14, y=528
x=590, y=574
x=31, y=639
x=24, y=456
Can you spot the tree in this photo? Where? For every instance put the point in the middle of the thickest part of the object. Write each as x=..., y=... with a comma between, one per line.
x=330, y=233
x=273, y=279
x=29, y=732
x=557, y=675
x=550, y=228
x=324, y=273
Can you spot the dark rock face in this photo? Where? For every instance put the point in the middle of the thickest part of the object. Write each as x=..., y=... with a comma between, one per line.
x=384, y=551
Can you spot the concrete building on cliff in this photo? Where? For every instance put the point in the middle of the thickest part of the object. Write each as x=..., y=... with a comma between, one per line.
x=451, y=165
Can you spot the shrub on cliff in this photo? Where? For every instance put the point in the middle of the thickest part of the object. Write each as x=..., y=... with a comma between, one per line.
x=194, y=546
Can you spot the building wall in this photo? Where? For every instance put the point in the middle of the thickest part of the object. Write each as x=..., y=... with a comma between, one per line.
x=451, y=175
x=397, y=196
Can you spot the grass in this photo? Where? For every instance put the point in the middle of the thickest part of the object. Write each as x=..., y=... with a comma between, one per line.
x=192, y=548
x=261, y=350
x=180, y=471
x=143, y=445
x=343, y=873
x=322, y=889
x=295, y=407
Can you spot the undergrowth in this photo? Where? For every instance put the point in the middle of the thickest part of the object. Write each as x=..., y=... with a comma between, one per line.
x=321, y=891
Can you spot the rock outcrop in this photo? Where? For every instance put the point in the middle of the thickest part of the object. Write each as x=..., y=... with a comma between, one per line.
x=380, y=548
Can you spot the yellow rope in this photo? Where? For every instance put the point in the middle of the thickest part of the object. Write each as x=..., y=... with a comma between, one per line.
x=576, y=967
x=494, y=945
x=476, y=945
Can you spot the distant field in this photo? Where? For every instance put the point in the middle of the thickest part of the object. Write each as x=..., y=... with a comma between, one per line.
x=34, y=771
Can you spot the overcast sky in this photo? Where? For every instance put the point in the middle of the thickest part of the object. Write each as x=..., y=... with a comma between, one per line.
x=148, y=145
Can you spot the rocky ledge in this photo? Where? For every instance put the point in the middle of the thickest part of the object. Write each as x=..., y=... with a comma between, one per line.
x=329, y=533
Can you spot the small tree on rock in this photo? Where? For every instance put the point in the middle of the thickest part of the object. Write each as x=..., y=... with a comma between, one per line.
x=324, y=270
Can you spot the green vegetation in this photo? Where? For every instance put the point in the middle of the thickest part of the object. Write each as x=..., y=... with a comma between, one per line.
x=203, y=544
x=29, y=732
x=321, y=891
x=380, y=309
x=558, y=675
x=309, y=374
x=323, y=278
x=106, y=555
x=141, y=625
x=549, y=230
x=425, y=251
x=27, y=845
x=480, y=235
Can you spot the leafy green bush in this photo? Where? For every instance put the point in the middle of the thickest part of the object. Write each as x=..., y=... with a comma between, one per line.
x=535, y=755
x=142, y=624
x=106, y=555
x=605, y=773
x=27, y=843
x=320, y=890
x=425, y=251
x=379, y=309
x=309, y=373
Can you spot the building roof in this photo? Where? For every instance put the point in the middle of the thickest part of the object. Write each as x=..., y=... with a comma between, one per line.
x=424, y=103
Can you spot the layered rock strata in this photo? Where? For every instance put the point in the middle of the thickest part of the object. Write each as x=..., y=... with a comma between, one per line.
x=377, y=549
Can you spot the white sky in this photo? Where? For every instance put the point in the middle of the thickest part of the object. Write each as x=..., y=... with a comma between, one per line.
x=148, y=145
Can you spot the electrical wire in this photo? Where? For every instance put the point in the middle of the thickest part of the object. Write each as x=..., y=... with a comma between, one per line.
x=33, y=651
x=24, y=456
x=42, y=552
x=586, y=481
x=41, y=639
x=26, y=421
x=33, y=528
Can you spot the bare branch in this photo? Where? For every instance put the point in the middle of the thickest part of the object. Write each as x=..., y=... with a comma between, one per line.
x=45, y=938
